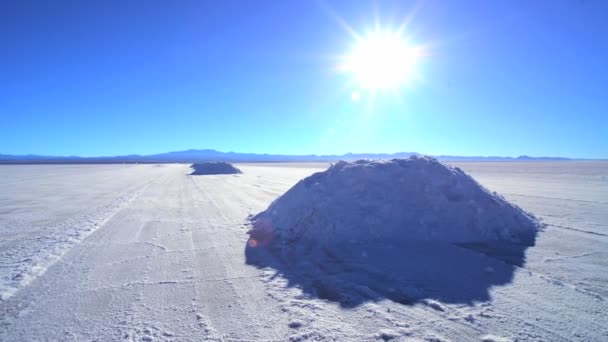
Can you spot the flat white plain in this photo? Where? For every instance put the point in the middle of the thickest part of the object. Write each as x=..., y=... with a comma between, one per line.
x=146, y=252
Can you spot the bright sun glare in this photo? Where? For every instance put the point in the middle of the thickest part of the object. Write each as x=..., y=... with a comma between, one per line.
x=382, y=60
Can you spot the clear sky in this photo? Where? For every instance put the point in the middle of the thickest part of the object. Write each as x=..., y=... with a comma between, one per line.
x=119, y=77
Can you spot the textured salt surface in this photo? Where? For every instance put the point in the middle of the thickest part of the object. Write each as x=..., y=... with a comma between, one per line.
x=169, y=264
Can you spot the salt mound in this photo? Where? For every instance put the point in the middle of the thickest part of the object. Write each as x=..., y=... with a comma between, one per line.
x=415, y=199
x=214, y=168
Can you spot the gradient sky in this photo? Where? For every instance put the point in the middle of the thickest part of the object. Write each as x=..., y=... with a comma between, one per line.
x=119, y=77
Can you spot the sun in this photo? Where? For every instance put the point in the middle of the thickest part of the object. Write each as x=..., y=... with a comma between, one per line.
x=382, y=60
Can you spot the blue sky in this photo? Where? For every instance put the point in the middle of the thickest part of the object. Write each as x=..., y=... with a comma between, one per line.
x=119, y=77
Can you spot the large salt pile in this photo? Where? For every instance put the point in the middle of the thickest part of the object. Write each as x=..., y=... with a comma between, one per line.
x=214, y=168
x=416, y=199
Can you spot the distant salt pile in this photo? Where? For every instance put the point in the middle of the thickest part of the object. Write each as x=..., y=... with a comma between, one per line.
x=398, y=200
x=214, y=168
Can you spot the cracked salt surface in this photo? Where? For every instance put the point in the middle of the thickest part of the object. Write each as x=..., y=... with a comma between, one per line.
x=170, y=263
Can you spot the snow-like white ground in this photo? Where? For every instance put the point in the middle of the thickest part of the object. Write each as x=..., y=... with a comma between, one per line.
x=147, y=253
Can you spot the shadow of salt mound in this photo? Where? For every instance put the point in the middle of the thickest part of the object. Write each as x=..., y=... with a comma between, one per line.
x=405, y=272
x=213, y=168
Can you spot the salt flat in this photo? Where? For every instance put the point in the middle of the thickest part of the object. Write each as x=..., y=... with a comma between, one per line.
x=146, y=252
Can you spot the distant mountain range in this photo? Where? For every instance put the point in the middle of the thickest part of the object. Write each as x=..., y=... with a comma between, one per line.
x=191, y=156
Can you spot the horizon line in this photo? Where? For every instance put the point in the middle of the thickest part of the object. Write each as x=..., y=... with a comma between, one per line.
x=346, y=154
